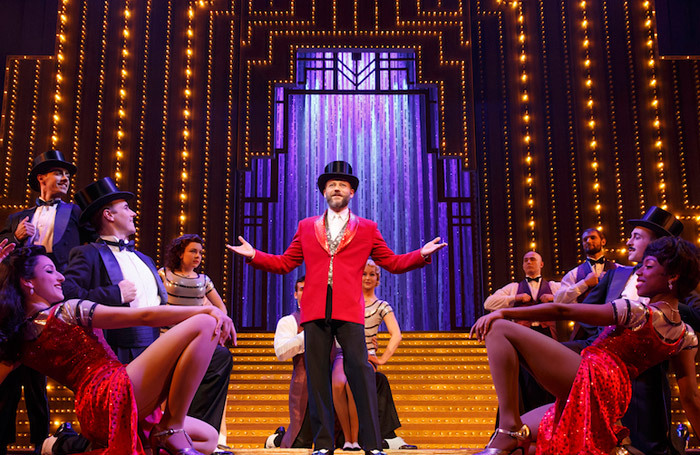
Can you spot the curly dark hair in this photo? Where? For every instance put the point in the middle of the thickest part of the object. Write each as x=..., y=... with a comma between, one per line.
x=177, y=248
x=18, y=265
x=678, y=257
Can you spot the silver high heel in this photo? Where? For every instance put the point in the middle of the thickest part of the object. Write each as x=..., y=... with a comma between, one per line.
x=159, y=443
x=522, y=435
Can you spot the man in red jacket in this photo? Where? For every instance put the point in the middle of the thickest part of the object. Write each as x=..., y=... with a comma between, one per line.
x=335, y=247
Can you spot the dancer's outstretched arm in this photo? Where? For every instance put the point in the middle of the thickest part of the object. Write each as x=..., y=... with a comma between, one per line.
x=589, y=314
x=110, y=317
x=684, y=367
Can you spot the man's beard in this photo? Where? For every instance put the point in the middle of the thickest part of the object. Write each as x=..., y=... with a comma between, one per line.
x=592, y=250
x=337, y=204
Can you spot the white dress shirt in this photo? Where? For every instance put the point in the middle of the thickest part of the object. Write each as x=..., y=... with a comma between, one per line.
x=136, y=271
x=503, y=298
x=336, y=221
x=44, y=219
x=570, y=288
x=288, y=342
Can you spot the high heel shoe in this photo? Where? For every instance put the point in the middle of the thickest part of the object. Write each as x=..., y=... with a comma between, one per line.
x=522, y=436
x=159, y=441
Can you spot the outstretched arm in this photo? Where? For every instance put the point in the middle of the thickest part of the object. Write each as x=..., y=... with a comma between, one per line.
x=245, y=249
x=590, y=314
x=431, y=247
x=109, y=317
x=684, y=367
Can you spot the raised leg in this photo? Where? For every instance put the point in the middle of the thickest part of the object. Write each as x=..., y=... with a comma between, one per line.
x=552, y=364
x=173, y=367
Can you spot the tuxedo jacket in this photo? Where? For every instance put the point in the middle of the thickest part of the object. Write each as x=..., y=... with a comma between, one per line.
x=310, y=245
x=67, y=232
x=94, y=274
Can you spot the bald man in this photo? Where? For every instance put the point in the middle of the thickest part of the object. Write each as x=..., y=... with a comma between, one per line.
x=532, y=290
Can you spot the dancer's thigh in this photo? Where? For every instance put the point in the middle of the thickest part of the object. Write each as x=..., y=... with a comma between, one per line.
x=551, y=363
x=151, y=371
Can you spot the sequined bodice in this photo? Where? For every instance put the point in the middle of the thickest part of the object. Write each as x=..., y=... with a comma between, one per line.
x=638, y=349
x=70, y=354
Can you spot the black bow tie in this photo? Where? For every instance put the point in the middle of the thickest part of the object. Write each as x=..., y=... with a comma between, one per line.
x=40, y=202
x=536, y=279
x=121, y=244
x=596, y=261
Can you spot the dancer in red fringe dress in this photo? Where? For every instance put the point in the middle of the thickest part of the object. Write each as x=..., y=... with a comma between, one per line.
x=593, y=389
x=57, y=338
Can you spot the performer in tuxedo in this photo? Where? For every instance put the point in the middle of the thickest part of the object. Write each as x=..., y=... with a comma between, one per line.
x=53, y=224
x=649, y=413
x=112, y=272
x=335, y=246
x=578, y=282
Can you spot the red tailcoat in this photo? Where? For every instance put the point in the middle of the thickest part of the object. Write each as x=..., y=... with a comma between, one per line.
x=360, y=241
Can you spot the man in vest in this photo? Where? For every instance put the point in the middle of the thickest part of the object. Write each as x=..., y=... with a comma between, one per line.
x=533, y=290
x=335, y=247
x=578, y=282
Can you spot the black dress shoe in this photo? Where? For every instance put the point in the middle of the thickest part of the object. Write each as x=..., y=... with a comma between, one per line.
x=375, y=452
x=65, y=428
x=408, y=447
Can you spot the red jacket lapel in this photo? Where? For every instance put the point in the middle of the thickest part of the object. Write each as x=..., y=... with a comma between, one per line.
x=320, y=231
x=350, y=232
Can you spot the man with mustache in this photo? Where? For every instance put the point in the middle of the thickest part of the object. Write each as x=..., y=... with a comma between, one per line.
x=54, y=224
x=335, y=247
x=649, y=413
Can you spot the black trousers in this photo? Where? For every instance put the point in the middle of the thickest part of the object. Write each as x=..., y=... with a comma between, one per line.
x=388, y=417
x=35, y=399
x=209, y=401
x=318, y=338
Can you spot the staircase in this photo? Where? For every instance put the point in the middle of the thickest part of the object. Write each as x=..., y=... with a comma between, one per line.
x=440, y=383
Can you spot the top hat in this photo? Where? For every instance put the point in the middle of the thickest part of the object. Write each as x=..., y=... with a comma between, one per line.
x=98, y=194
x=45, y=162
x=660, y=222
x=337, y=170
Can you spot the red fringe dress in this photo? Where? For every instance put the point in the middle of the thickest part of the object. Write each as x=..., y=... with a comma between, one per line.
x=601, y=392
x=104, y=398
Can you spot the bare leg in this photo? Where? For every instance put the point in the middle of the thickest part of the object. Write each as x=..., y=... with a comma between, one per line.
x=340, y=397
x=204, y=436
x=508, y=344
x=354, y=419
x=173, y=366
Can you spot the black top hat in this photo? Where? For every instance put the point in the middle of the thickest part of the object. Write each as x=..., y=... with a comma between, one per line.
x=98, y=194
x=45, y=162
x=337, y=170
x=659, y=221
